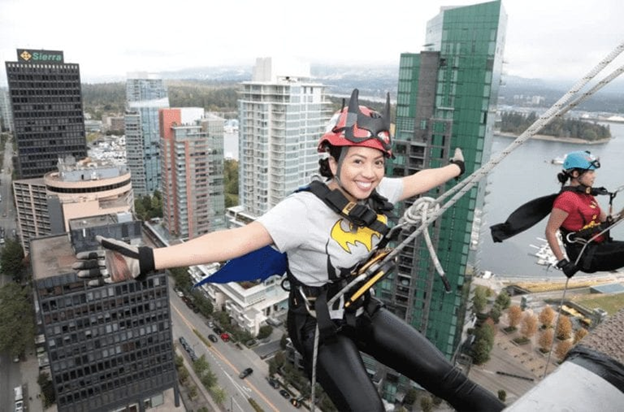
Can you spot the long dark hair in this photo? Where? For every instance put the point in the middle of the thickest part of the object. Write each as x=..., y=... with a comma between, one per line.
x=324, y=169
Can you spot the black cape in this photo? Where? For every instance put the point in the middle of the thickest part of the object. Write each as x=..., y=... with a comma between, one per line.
x=531, y=213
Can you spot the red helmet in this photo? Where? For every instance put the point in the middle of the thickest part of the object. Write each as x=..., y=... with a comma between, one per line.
x=358, y=125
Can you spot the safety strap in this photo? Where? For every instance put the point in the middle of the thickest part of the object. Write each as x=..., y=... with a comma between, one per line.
x=358, y=214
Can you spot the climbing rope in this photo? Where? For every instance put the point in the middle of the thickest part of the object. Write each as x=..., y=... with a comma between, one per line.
x=422, y=214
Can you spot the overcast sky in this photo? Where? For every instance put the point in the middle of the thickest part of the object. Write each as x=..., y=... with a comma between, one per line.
x=546, y=39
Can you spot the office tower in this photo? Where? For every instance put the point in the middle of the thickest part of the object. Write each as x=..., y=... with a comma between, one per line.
x=192, y=171
x=282, y=115
x=145, y=95
x=110, y=347
x=446, y=98
x=45, y=95
x=77, y=189
x=6, y=117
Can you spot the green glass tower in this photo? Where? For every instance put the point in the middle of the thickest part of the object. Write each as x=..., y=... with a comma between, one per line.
x=446, y=98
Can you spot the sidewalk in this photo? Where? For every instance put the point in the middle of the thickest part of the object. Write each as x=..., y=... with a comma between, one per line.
x=29, y=369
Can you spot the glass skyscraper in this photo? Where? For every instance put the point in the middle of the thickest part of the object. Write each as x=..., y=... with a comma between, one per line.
x=145, y=95
x=447, y=97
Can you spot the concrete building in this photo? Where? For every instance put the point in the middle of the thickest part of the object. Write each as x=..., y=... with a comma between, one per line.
x=75, y=190
x=446, y=98
x=109, y=347
x=282, y=115
x=145, y=95
x=46, y=101
x=192, y=172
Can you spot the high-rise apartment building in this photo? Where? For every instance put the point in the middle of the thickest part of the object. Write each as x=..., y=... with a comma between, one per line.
x=110, y=347
x=145, y=95
x=6, y=117
x=45, y=94
x=192, y=171
x=77, y=189
x=282, y=115
x=447, y=97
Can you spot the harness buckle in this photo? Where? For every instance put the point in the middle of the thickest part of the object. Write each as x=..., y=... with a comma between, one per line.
x=349, y=207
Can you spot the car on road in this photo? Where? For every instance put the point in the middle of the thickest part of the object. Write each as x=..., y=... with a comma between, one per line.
x=284, y=393
x=225, y=336
x=296, y=403
x=245, y=373
x=210, y=324
x=274, y=383
x=217, y=330
x=213, y=338
x=184, y=343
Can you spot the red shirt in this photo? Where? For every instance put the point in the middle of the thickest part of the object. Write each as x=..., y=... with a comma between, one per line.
x=583, y=211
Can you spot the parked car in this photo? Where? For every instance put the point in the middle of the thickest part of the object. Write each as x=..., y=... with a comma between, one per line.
x=184, y=343
x=245, y=373
x=217, y=330
x=284, y=393
x=225, y=337
x=192, y=354
x=213, y=338
x=210, y=324
x=274, y=383
x=296, y=403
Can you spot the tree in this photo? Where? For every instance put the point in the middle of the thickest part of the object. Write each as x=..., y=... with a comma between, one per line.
x=546, y=339
x=265, y=331
x=580, y=334
x=17, y=319
x=502, y=395
x=529, y=325
x=546, y=316
x=479, y=299
x=495, y=313
x=426, y=404
x=193, y=391
x=47, y=389
x=218, y=394
x=564, y=328
x=562, y=349
x=12, y=260
x=284, y=341
x=503, y=300
x=182, y=279
x=514, y=314
x=410, y=396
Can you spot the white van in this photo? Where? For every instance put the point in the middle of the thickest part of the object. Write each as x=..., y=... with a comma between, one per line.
x=19, y=399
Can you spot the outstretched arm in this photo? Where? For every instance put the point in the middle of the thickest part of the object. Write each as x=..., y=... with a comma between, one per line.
x=427, y=179
x=213, y=247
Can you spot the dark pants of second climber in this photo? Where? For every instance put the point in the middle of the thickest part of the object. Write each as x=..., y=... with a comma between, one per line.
x=598, y=257
x=391, y=341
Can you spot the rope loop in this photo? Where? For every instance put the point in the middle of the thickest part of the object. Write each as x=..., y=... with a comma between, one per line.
x=418, y=212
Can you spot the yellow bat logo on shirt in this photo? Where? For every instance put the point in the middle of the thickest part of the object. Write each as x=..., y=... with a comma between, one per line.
x=352, y=235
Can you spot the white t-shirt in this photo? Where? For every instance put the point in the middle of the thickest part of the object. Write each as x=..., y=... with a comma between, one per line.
x=321, y=245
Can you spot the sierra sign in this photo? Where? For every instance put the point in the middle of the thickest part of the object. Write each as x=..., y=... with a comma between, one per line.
x=40, y=56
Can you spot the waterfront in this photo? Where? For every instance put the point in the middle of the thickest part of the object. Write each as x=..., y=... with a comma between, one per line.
x=528, y=173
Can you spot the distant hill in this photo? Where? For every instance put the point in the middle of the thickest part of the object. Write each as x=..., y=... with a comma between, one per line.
x=375, y=81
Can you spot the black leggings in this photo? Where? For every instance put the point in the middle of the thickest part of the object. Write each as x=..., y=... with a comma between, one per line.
x=394, y=343
x=598, y=257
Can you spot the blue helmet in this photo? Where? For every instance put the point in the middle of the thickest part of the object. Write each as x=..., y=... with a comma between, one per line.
x=580, y=160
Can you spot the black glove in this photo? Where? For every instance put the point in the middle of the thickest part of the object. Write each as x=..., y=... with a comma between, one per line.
x=118, y=262
x=568, y=268
x=458, y=159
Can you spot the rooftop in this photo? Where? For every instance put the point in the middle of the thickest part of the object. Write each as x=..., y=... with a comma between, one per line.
x=51, y=256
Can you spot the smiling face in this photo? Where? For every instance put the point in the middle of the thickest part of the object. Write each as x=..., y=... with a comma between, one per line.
x=361, y=171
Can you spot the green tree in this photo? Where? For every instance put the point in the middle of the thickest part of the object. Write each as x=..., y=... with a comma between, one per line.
x=182, y=279
x=218, y=394
x=426, y=404
x=503, y=300
x=495, y=313
x=47, y=389
x=410, y=396
x=502, y=395
x=480, y=299
x=284, y=341
x=230, y=178
x=12, y=260
x=265, y=331
x=17, y=319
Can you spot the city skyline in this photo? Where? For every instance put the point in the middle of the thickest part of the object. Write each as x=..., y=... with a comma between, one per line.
x=546, y=40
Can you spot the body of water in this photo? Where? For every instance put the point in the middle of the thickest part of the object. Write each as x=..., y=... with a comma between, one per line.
x=528, y=173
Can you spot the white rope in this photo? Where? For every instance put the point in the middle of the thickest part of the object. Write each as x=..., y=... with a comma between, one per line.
x=562, y=106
